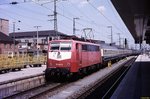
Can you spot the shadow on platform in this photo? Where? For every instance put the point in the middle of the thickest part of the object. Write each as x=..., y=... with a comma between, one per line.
x=136, y=83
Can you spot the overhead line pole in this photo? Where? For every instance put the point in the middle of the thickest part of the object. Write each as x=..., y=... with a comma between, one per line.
x=119, y=39
x=55, y=18
x=111, y=34
x=14, y=42
x=37, y=35
x=74, y=23
x=14, y=36
x=37, y=27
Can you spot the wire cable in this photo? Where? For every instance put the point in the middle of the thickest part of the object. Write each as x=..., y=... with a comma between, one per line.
x=105, y=16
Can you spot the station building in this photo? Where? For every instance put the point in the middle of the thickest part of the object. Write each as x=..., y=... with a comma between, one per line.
x=30, y=41
x=7, y=45
x=4, y=26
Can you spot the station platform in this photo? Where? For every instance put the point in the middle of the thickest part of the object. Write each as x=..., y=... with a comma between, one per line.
x=136, y=83
x=30, y=71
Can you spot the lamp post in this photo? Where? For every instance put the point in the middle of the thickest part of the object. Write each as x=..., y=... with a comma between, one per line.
x=14, y=36
x=119, y=39
x=111, y=33
x=14, y=28
x=37, y=36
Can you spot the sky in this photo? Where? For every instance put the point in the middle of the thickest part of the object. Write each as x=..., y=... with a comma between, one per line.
x=95, y=14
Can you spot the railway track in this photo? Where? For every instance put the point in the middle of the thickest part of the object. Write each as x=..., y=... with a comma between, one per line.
x=41, y=92
x=36, y=92
x=104, y=89
x=48, y=91
x=32, y=87
x=119, y=76
x=44, y=91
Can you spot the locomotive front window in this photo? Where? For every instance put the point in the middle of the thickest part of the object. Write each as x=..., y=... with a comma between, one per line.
x=55, y=46
x=64, y=46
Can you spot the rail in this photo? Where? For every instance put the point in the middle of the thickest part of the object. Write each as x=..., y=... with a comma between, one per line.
x=100, y=82
x=40, y=92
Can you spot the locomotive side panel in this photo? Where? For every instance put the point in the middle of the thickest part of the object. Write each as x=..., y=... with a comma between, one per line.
x=76, y=60
x=90, y=55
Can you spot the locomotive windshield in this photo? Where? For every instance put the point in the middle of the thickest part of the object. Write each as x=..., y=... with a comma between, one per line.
x=55, y=46
x=60, y=46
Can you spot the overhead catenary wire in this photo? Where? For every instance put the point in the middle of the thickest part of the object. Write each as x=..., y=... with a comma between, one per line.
x=84, y=20
x=87, y=19
x=119, y=22
x=93, y=23
x=17, y=15
x=44, y=6
x=38, y=19
x=113, y=11
x=60, y=15
x=15, y=19
x=31, y=10
x=84, y=26
x=24, y=16
x=105, y=17
x=15, y=2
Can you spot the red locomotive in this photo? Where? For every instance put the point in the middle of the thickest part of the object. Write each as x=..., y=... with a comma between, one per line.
x=67, y=57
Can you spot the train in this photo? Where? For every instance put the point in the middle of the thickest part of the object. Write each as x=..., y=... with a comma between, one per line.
x=70, y=57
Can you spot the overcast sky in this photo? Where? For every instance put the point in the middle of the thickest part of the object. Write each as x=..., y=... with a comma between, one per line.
x=95, y=14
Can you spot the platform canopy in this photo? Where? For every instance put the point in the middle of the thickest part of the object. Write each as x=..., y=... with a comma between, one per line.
x=136, y=16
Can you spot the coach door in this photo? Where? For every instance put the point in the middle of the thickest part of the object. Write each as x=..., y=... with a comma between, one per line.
x=79, y=53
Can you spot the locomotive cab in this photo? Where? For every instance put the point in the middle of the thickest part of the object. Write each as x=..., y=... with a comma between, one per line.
x=59, y=57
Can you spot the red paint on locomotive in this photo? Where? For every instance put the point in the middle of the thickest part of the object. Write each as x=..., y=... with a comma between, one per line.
x=72, y=55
